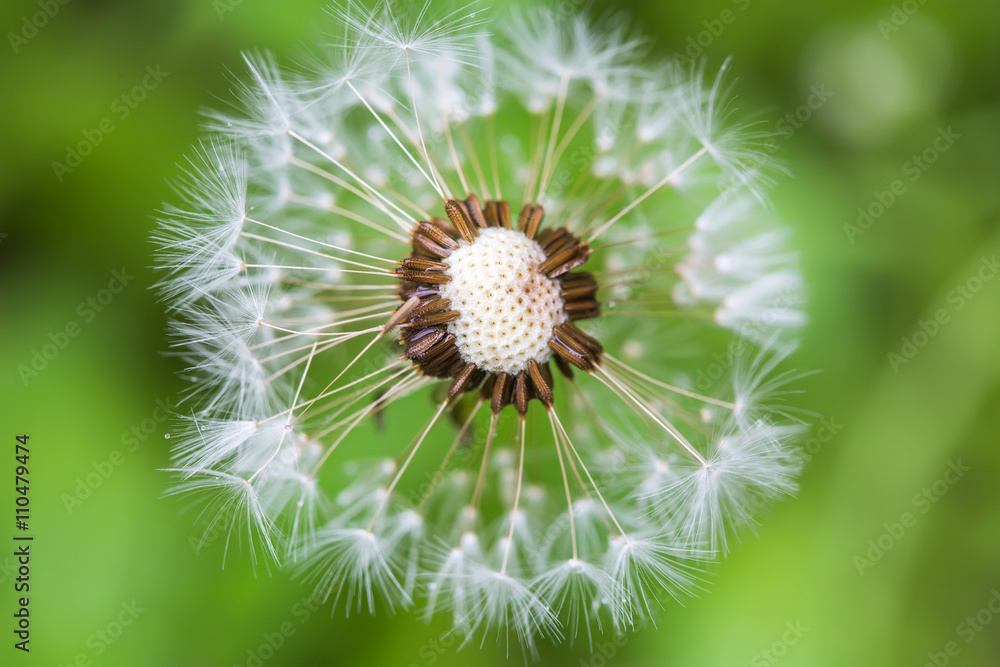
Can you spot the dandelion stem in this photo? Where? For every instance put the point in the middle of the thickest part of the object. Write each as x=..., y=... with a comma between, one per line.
x=517, y=500
x=454, y=157
x=491, y=146
x=439, y=475
x=318, y=268
x=570, y=133
x=328, y=345
x=288, y=422
x=315, y=331
x=569, y=444
x=394, y=137
x=476, y=166
x=327, y=245
x=569, y=498
x=265, y=239
x=342, y=167
x=361, y=416
x=420, y=132
x=406, y=464
x=641, y=198
x=536, y=145
x=339, y=389
x=296, y=334
x=606, y=377
x=669, y=387
x=350, y=215
x=346, y=368
x=477, y=493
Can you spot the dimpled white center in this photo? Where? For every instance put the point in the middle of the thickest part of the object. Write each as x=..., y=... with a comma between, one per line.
x=508, y=308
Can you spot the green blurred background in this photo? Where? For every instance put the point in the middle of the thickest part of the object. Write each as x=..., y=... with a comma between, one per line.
x=884, y=80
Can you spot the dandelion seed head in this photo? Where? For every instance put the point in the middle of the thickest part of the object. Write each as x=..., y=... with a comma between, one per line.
x=469, y=221
x=507, y=307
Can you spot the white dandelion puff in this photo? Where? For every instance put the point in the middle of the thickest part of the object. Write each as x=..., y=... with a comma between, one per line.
x=740, y=262
x=746, y=467
x=642, y=568
x=469, y=222
x=351, y=565
x=507, y=608
x=578, y=593
x=231, y=504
